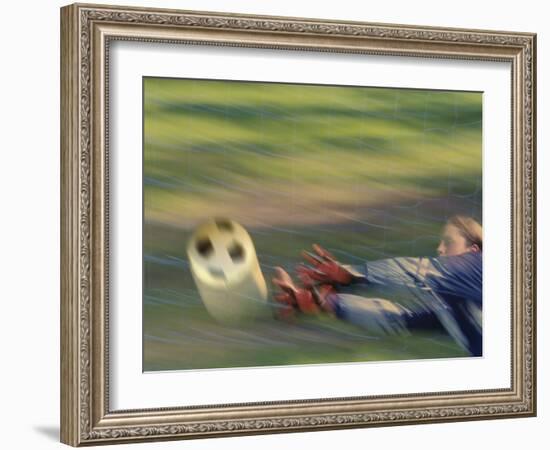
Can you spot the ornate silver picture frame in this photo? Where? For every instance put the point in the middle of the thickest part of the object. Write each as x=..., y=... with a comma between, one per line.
x=87, y=33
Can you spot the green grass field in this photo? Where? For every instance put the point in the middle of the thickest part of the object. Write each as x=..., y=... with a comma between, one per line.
x=368, y=173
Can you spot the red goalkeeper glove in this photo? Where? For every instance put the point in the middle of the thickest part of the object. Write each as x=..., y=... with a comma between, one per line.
x=326, y=269
x=292, y=297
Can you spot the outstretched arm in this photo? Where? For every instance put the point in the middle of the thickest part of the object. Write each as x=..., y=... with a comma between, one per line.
x=458, y=276
x=324, y=268
x=402, y=271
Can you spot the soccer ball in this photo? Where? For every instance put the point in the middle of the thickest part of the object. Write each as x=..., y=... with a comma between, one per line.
x=226, y=271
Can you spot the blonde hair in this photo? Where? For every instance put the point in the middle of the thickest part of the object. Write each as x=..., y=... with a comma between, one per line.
x=469, y=228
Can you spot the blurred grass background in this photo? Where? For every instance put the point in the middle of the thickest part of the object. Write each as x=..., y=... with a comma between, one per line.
x=368, y=173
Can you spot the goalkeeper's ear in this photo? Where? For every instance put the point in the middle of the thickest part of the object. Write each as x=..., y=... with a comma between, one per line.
x=474, y=248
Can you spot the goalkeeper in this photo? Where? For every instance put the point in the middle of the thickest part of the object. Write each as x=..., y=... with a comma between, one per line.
x=446, y=290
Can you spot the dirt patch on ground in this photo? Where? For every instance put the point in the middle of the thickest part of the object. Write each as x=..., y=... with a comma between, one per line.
x=280, y=206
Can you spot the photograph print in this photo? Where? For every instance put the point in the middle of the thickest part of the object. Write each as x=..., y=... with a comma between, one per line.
x=297, y=224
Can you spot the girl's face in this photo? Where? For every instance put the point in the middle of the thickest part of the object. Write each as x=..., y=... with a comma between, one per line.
x=453, y=243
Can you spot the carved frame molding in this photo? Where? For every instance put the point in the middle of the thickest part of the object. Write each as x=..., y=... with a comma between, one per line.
x=86, y=32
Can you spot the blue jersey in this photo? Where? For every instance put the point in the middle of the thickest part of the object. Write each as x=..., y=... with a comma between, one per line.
x=445, y=289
